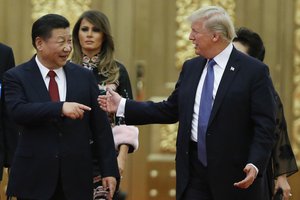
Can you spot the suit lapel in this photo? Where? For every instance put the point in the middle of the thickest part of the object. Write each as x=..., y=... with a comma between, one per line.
x=70, y=81
x=37, y=81
x=194, y=78
x=230, y=72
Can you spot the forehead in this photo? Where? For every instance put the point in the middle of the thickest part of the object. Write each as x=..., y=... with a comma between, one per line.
x=85, y=22
x=60, y=32
x=198, y=25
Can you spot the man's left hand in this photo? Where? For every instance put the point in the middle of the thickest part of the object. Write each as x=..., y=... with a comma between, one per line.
x=249, y=179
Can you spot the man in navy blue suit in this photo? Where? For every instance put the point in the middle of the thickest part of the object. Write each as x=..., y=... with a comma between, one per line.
x=8, y=130
x=229, y=161
x=53, y=159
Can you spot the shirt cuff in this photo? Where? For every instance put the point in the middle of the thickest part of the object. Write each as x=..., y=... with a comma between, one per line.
x=254, y=167
x=121, y=108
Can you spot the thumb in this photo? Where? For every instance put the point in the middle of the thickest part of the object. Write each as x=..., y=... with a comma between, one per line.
x=247, y=169
x=110, y=91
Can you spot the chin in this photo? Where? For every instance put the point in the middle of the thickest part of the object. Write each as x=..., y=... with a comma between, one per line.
x=63, y=63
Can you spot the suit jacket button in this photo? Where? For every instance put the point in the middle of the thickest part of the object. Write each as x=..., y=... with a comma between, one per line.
x=60, y=134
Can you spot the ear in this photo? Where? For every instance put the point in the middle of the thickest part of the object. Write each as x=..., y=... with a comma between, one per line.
x=39, y=43
x=215, y=37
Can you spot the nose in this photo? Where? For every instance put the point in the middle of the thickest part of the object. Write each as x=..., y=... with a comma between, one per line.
x=89, y=33
x=68, y=48
x=191, y=37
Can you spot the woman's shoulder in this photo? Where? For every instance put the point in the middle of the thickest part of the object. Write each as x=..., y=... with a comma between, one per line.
x=120, y=65
x=122, y=69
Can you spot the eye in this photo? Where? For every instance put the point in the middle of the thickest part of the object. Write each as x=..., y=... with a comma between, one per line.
x=95, y=29
x=84, y=29
x=60, y=41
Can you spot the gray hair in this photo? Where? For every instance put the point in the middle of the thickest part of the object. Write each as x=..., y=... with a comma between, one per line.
x=216, y=19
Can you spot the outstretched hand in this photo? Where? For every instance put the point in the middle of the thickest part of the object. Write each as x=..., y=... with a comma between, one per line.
x=249, y=179
x=110, y=101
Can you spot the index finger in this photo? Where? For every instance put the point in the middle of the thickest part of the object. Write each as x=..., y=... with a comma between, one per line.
x=84, y=107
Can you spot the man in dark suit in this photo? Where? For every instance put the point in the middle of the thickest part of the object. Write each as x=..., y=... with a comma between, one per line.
x=8, y=130
x=281, y=164
x=53, y=159
x=229, y=160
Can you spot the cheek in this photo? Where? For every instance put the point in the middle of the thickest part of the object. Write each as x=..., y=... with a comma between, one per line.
x=198, y=41
x=100, y=39
x=81, y=37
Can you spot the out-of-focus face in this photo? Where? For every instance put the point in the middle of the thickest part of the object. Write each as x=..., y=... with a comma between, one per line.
x=239, y=46
x=53, y=52
x=202, y=39
x=90, y=38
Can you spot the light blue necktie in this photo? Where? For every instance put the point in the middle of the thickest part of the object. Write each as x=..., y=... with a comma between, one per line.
x=205, y=110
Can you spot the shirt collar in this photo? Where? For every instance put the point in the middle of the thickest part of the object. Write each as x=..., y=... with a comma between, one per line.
x=44, y=70
x=222, y=58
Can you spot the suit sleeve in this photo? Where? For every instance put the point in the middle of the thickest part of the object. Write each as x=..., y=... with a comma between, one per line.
x=283, y=158
x=149, y=112
x=263, y=117
x=22, y=111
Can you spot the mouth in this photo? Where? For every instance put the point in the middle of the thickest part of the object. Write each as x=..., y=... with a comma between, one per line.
x=65, y=57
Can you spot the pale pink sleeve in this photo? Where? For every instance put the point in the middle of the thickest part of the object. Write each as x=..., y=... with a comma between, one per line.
x=124, y=134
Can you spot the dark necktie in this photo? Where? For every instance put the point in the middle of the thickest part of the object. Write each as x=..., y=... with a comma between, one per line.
x=53, y=88
x=205, y=110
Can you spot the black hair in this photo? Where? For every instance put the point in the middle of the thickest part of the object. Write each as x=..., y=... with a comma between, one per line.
x=43, y=26
x=253, y=41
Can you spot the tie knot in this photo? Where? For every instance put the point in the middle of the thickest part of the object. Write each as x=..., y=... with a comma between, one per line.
x=211, y=63
x=51, y=74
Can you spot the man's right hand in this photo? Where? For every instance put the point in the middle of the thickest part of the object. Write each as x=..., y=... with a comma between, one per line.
x=74, y=110
x=110, y=101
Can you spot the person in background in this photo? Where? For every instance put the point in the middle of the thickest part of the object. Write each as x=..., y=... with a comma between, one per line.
x=55, y=104
x=94, y=49
x=8, y=130
x=224, y=103
x=283, y=162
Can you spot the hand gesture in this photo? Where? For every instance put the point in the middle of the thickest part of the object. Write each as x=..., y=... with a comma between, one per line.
x=250, y=177
x=110, y=101
x=74, y=110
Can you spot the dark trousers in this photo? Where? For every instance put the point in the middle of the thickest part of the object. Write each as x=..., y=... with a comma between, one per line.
x=198, y=187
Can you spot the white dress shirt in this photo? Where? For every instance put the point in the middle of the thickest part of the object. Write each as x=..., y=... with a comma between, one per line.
x=221, y=61
x=60, y=79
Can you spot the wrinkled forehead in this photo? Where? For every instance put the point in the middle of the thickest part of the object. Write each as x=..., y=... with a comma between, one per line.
x=199, y=25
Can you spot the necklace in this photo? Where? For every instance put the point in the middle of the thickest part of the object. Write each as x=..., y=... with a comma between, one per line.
x=92, y=62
